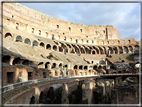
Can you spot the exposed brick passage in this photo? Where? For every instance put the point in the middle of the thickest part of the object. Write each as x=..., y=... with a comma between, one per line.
x=37, y=46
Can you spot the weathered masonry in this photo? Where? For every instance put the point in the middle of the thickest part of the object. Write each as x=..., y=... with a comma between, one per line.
x=38, y=46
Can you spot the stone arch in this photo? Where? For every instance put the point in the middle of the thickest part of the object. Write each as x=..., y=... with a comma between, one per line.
x=48, y=65
x=110, y=50
x=131, y=50
x=104, y=67
x=41, y=97
x=120, y=50
x=6, y=59
x=60, y=49
x=64, y=46
x=115, y=50
x=26, y=62
x=95, y=67
x=126, y=50
x=93, y=52
x=35, y=43
x=72, y=51
x=32, y=100
x=18, y=39
x=97, y=51
x=48, y=46
x=76, y=49
x=53, y=65
x=60, y=65
x=40, y=65
x=16, y=61
x=101, y=50
x=85, y=67
x=8, y=36
x=68, y=45
x=136, y=49
x=41, y=44
x=81, y=67
x=82, y=51
x=119, y=71
x=55, y=48
x=27, y=41
x=87, y=51
x=100, y=67
x=75, y=67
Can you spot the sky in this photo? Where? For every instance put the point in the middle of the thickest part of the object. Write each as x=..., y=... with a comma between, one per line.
x=125, y=17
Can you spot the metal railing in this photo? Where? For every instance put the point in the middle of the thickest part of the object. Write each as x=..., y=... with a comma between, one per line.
x=20, y=84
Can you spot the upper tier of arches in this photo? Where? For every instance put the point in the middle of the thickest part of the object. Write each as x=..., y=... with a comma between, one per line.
x=76, y=48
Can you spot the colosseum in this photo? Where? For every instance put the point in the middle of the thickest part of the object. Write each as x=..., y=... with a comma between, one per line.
x=51, y=61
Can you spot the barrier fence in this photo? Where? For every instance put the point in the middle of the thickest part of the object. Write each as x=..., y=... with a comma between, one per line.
x=20, y=84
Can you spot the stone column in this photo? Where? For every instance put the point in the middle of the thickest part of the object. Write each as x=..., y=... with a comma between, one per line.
x=65, y=91
x=11, y=60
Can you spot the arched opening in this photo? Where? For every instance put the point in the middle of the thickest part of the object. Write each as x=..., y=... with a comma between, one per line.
x=60, y=49
x=120, y=50
x=131, y=49
x=75, y=67
x=104, y=67
x=27, y=41
x=85, y=67
x=68, y=45
x=41, y=44
x=123, y=61
x=8, y=36
x=119, y=71
x=18, y=39
x=97, y=51
x=47, y=65
x=6, y=59
x=93, y=52
x=60, y=65
x=16, y=61
x=100, y=67
x=80, y=67
x=41, y=98
x=55, y=48
x=95, y=67
x=53, y=65
x=32, y=101
x=112, y=67
x=110, y=50
x=35, y=43
x=40, y=65
x=25, y=62
x=126, y=49
x=136, y=50
x=48, y=46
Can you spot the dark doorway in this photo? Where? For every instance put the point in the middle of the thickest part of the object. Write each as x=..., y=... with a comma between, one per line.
x=29, y=75
x=10, y=77
x=32, y=100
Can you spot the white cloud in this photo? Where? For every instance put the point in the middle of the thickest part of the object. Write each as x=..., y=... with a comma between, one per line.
x=123, y=16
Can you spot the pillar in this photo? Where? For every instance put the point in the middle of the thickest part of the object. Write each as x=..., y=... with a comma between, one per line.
x=65, y=91
x=11, y=60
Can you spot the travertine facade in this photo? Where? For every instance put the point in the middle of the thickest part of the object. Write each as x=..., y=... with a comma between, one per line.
x=48, y=47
